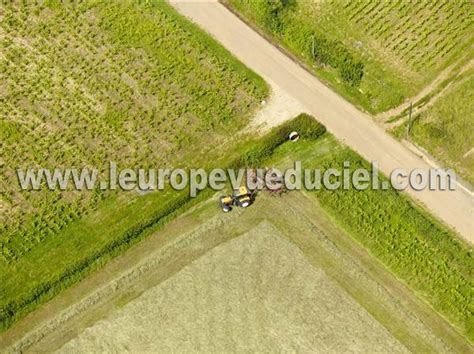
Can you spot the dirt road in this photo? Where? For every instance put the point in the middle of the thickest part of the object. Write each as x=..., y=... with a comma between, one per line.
x=353, y=127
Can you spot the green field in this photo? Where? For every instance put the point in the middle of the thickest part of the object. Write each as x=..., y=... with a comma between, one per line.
x=419, y=250
x=375, y=53
x=422, y=253
x=118, y=223
x=445, y=128
x=86, y=84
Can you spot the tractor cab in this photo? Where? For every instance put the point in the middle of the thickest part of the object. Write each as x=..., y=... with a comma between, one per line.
x=242, y=197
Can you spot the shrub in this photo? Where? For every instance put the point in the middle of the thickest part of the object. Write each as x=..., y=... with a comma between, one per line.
x=352, y=72
x=269, y=12
x=278, y=18
x=308, y=128
x=336, y=55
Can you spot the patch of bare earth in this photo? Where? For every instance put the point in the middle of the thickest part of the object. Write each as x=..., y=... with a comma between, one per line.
x=280, y=107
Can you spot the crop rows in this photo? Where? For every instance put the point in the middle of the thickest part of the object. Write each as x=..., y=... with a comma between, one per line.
x=87, y=84
x=420, y=33
x=415, y=247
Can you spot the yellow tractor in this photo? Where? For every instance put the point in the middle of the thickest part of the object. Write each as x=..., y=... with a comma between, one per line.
x=226, y=203
x=241, y=197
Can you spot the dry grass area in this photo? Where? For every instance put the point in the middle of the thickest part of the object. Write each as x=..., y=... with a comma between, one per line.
x=255, y=292
x=264, y=279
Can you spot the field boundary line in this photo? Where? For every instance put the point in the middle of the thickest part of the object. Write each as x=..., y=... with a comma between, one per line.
x=390, y=119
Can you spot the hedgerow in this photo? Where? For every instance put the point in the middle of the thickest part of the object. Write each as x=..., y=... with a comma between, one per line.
x=306, y=126
x=335, y=54
x=13, y=310
x=269, y=13
x=375, y=53
x=91, y=82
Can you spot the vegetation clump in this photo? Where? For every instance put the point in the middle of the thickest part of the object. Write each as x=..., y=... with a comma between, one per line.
x=274, y=16
x=306, y=126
